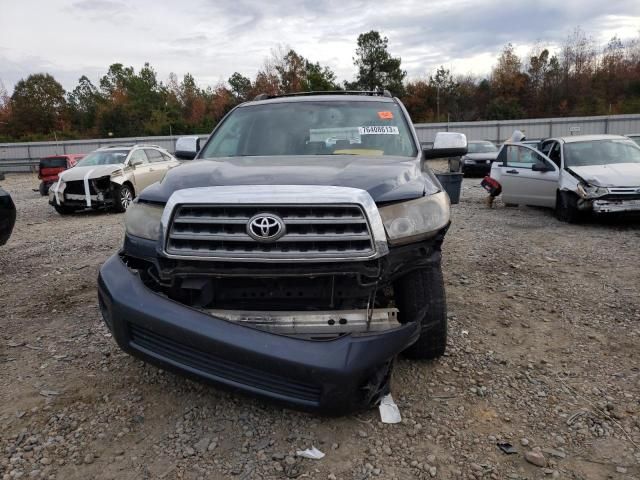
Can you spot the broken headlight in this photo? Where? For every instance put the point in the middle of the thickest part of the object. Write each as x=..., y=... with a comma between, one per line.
x=143, y=220
x=589, y=191
x=414, y=220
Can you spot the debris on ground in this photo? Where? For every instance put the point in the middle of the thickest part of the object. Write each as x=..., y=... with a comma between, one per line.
x=313, y=453
x=389, y=411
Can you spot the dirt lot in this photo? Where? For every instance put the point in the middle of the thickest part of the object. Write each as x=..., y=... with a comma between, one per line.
x=544, y=353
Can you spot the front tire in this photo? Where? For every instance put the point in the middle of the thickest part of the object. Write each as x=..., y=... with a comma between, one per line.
x=64, y=210
x=420, y=297
x=567, y=208
x=123, y=196
x=43, y=189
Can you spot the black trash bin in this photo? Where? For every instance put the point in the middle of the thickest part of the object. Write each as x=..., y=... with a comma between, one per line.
x=452, y=184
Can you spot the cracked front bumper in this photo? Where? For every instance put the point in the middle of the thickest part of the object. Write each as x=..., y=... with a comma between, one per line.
x=616, y=206
x=332, y=376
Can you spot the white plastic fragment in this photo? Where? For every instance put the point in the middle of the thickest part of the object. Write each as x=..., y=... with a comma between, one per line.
x=313, y=453
x=389, y=411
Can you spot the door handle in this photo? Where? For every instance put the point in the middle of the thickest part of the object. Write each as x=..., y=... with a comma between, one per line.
x=512, y=171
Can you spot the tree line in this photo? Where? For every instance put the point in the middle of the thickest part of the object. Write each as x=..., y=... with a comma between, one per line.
x=579, y=78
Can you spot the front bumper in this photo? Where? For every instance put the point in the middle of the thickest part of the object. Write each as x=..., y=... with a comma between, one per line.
x=331, y=376
x=616, y=206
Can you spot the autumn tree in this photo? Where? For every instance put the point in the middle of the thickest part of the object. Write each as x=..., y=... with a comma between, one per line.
x=508, y=84
x=5, y=111
x=297, y=74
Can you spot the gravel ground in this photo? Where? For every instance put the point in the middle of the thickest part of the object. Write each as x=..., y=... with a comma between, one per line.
x=543, y=354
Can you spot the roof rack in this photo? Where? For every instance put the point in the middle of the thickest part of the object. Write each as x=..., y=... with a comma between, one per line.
x=380, y=93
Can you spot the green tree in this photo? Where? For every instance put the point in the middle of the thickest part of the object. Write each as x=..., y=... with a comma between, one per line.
x=37, y=105
x=376, y=67
x=320, y=78
x=83, y=104
x=444, y=87
x=240, y=87
x=135, y=103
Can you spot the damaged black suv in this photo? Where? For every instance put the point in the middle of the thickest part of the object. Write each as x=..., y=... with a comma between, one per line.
x=294, y=258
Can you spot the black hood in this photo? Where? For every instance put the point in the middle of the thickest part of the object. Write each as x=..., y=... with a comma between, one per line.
x=385, y=178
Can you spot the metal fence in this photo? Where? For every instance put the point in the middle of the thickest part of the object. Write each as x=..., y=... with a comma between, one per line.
x=25, y=156
x=499, y=131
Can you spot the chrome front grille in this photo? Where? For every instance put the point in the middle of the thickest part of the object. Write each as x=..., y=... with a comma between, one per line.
x=312, y=232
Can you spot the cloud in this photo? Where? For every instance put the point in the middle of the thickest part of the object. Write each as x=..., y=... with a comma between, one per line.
x=214, y=38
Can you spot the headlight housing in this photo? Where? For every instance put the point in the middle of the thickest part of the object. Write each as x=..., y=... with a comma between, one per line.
x=143, y=220
x=590, y=191
x=417, y=219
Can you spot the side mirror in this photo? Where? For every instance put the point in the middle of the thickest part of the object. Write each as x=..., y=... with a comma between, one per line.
x=135, y=163
x=187, y=148
x=541, y=167
x=447, y=144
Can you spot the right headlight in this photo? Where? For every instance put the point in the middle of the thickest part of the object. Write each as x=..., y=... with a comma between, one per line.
x=586, y=190
x=143, y=220
x=417, y=219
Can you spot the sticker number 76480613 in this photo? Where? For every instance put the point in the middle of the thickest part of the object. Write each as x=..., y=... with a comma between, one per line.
x=379, y=130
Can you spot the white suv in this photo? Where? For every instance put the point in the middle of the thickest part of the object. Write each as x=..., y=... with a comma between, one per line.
x=110, y=177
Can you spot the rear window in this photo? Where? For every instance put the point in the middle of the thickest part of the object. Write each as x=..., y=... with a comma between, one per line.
x=53, y=162
x=314, y=128
x=481, y=147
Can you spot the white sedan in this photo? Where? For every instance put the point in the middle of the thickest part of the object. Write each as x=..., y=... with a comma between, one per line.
x=574, y=175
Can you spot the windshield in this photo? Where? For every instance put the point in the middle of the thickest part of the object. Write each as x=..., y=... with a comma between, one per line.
x=481, y=147
x=53, y=162
x=103, y=157
x=313, y=128
x=600, y=152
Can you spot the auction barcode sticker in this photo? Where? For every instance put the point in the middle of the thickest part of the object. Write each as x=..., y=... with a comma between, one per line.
x=379, y=130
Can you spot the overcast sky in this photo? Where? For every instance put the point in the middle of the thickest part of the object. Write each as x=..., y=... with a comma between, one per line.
x=214, y=38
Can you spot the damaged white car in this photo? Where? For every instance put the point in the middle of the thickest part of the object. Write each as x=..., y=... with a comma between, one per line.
x=110, y=177
x=575, y=175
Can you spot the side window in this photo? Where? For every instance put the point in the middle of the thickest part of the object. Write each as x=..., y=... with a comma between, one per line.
x=546, y=147
x=138, y=156
x=154, y=155
x=166, y=157
x=554, y=154
x=521, y=157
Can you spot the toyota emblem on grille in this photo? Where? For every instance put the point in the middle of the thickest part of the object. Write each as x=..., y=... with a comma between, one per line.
x=265, y=227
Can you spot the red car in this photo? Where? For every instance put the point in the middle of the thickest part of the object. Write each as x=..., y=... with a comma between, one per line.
x=50, y=167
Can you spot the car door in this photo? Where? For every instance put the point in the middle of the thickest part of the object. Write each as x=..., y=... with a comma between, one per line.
x=522, y=183
x=159, y=164
x=141, y=170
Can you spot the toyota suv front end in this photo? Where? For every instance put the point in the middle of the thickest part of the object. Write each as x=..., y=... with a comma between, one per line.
x=294, y=258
